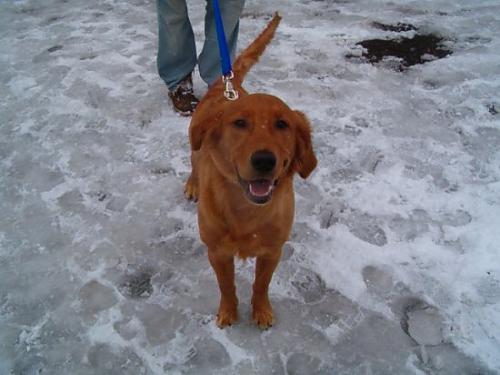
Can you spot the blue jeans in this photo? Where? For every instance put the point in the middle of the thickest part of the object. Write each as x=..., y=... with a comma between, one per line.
x=176, y=47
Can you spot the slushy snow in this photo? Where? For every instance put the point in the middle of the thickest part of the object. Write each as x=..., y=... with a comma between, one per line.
x=393, y=265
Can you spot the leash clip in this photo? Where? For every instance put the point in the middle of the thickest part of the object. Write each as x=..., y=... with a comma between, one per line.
x=229, y=92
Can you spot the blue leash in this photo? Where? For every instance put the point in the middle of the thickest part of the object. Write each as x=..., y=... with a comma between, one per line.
x=221, y=39
x=227, y=71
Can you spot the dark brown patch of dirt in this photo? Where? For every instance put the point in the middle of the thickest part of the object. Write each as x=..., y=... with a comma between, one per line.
x=492, y=108
x=410, y=51
x=137, y=285
x=55, y=48
x=402, y=52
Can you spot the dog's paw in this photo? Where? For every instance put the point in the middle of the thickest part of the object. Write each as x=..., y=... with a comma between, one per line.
x=226, y=316
x=262, y=315
x=191, y=190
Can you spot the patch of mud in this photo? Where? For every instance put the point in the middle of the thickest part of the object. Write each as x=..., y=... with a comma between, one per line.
x=137, y=284
x=54, y=48
x=493, y=108
x=402, y=52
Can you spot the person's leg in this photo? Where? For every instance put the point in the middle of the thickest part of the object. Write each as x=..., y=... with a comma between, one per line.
x=176, y=57
x=209, y=60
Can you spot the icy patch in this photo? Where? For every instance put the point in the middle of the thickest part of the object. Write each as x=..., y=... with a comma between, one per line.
x=425, y=326
x=101, y=266
x=378, y=281
x=96, y=297
x=309, y=285
x=302, y=363
x=208, y=354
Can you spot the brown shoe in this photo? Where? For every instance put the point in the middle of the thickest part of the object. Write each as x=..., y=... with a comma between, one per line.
x=183, y=98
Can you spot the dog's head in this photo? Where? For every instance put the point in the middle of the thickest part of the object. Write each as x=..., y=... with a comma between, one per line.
x=255, y=142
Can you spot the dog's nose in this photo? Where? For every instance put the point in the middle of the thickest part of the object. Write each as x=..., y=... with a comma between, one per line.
x=263, y=161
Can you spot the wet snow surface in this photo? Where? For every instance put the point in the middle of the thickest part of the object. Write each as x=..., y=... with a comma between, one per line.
x=393, y=265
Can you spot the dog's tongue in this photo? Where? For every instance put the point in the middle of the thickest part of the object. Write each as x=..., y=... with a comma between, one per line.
x=260, y=188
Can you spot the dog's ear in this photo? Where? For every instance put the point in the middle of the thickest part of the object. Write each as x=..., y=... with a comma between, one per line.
x=201, y=128
x=305, y=161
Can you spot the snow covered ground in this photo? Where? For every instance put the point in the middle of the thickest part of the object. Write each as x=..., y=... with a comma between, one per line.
x=393, y=265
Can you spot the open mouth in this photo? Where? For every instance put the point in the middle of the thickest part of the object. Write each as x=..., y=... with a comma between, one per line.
x=259, y=191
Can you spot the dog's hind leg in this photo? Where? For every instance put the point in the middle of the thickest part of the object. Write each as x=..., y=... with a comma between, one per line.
x=191, y=187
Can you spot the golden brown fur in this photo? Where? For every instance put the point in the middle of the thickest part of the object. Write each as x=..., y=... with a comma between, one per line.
x=244, y=156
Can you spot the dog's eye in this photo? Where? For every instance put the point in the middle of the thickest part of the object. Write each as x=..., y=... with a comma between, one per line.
x=240, y=124
x=280, y=124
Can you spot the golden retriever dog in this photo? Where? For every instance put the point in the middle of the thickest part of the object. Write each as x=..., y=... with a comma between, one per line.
x=244, y=155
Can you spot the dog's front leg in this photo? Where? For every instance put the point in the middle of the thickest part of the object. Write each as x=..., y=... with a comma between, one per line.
x=262, y=312
x=223, y=266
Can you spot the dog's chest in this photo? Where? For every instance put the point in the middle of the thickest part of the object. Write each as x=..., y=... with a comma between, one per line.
x=255, y=237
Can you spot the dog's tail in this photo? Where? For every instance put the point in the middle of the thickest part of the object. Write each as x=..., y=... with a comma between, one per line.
x=251, y=54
